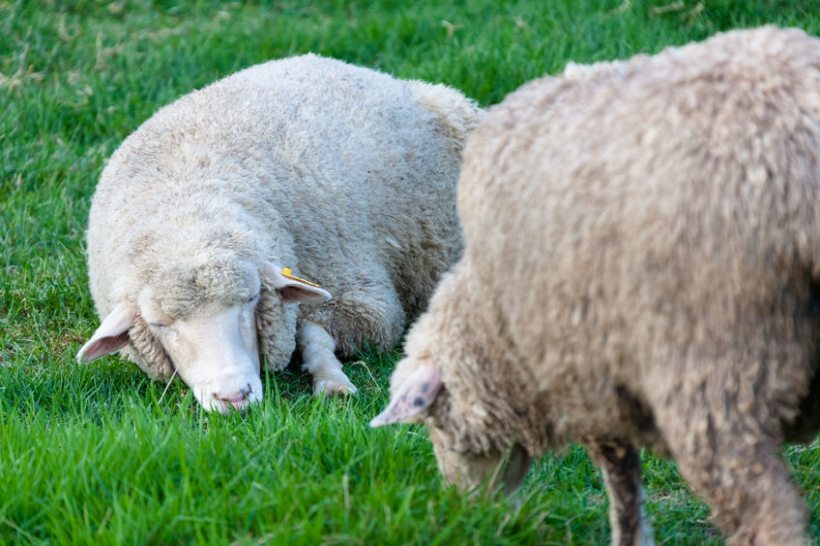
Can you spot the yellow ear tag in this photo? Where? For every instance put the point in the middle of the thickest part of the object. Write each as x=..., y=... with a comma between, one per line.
x=288, y=272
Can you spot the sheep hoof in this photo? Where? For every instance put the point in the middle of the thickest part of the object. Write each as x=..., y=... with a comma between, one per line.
x=336, y=386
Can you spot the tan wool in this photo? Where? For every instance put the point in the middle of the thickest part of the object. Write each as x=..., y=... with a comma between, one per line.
x=641, y=268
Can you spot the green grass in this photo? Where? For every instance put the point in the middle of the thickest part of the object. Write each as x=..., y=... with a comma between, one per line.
x=100, y=455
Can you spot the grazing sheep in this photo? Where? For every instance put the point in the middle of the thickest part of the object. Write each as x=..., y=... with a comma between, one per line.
x=641, y=267
x=204, y=217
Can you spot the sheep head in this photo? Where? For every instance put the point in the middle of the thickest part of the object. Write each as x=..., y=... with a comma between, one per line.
x=419, y=395
x=207, y=324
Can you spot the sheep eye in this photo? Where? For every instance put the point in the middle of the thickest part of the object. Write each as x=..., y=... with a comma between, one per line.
x=253, y=299
x=158, y=325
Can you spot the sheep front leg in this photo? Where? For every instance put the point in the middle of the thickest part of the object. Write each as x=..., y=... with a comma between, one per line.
x=621, y=468
x=317, y=348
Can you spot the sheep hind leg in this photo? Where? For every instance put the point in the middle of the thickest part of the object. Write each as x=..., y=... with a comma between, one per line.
x=752, y=498
x=738, y=473
x=621, y=467
x=317, y=348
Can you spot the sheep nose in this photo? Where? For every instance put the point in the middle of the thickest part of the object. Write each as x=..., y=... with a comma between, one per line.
x=237, y=399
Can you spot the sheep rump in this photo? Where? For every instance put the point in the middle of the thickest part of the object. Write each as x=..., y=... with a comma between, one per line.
x=341, y=173
x=641, y=267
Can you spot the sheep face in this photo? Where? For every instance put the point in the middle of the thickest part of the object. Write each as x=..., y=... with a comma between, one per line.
x=205, y=324
x=420, y=395
x=214, y=351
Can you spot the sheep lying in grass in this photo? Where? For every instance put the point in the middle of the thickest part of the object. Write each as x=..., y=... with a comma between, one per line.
x=641, y=267
x=206, y=217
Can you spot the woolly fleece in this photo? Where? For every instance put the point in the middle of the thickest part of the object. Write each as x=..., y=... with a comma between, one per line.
x=642, y=267
x=342, y=173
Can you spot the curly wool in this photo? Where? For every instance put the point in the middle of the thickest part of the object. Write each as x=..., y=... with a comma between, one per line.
x=147, y=352
x=276, y=328
x=591, y=283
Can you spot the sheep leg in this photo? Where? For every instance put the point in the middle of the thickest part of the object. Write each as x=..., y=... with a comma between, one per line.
x=360, y=314
x=317, y=348
x=737, y=470
x=752, y=498
x=621, y=467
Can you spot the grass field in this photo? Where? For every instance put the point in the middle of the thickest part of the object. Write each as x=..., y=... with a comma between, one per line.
x=101, y=455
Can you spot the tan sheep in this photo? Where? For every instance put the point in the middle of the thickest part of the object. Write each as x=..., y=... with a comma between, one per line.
x=642, y=268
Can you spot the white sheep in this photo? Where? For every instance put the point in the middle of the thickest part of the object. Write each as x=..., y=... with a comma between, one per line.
x=207, y=215
x=641, y=268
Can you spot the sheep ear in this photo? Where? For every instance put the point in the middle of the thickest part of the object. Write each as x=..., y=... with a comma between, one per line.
x=415, y=395
x=291, y=288
x=112, y=334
